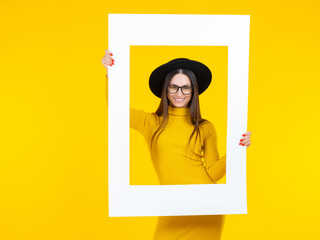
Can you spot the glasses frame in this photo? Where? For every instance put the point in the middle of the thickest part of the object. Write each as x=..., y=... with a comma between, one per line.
x=181, y=89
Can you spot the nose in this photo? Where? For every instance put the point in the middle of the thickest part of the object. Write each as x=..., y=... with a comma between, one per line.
x=180, y=93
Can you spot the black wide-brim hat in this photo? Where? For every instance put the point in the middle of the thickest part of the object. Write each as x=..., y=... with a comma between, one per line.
x=201, y=71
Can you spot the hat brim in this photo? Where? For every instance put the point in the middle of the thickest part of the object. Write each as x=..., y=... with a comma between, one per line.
x=201, y=71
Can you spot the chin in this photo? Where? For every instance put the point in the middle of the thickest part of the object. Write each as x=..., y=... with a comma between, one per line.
x=180, y=105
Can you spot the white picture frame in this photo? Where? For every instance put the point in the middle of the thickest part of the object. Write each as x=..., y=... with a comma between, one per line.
x=174, y=200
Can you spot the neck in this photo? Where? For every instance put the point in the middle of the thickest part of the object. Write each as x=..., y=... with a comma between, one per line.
x=179, y=111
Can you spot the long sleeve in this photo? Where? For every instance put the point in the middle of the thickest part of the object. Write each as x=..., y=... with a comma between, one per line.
x=140, y=120
x=215, y=167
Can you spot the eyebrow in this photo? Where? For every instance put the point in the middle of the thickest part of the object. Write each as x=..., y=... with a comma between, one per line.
x=189, y=85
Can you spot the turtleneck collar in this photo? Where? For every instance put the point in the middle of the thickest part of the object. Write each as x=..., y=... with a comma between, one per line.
x=179, y=111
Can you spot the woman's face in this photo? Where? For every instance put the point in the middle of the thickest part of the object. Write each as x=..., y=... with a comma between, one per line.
x=179, y=99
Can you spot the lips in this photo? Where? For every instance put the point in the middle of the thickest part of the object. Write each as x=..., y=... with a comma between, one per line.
x=179, y=99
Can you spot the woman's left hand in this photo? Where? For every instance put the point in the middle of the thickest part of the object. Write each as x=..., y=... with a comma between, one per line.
x=245, y=141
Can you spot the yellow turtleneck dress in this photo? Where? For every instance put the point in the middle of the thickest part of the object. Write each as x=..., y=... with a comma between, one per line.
x=176, y=163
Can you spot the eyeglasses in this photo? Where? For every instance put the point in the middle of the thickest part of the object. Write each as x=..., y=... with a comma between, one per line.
x=186, y=89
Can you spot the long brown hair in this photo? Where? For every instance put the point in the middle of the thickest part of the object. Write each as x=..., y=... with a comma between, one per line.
x=162, y=110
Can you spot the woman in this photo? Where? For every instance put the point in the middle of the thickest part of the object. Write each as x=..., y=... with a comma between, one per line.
x=183, y=146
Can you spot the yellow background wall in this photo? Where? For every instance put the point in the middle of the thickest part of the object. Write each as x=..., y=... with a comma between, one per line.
x=53, y=136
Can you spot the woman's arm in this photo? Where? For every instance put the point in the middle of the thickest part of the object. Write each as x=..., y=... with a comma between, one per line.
x=139, y=119
x=215, y=166
x=218, y=169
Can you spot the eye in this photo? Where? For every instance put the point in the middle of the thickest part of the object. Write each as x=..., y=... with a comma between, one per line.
x=173, y=87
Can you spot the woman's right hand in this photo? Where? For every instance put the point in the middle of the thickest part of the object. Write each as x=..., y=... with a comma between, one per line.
x=107, y=60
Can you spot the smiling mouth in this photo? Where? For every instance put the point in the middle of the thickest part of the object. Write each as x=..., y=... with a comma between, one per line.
x=179, y=99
